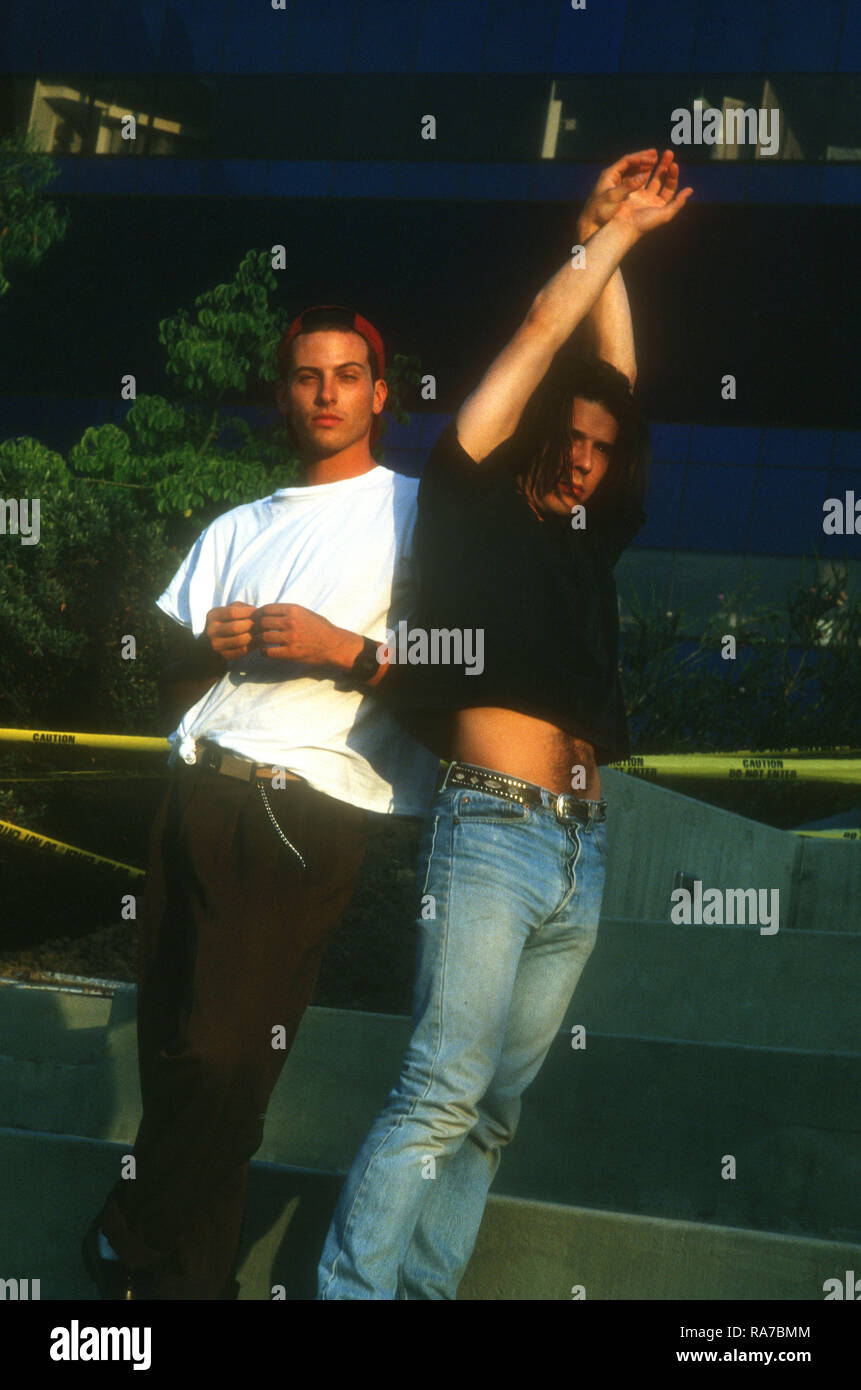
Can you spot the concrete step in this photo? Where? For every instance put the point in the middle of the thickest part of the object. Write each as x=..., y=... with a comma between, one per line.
x=796, y=989
x=526, y=1250
x=730, y=985
x=627, y=1123
x=638, y=1124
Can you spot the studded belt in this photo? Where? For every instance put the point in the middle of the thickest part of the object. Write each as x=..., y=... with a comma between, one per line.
x=484, y=779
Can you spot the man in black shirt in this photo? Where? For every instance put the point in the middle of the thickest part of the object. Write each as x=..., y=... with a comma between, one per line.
x=525, y=505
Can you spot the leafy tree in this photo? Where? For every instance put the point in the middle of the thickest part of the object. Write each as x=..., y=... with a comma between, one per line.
x=66, y=603
x=118, y=515
x=795, y=682
x=185, y=456
x=30, y=223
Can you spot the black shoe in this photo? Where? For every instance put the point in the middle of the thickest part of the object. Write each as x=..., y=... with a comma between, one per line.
x=111, y=1277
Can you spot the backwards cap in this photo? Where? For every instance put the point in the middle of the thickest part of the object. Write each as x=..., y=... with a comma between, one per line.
x=322, y=315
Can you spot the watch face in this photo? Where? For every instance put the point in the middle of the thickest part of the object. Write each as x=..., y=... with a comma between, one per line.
x=366, y=663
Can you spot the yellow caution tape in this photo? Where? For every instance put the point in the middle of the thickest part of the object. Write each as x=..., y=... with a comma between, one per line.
x=831, y=834
x=743, y=766
x=62, y=740
x=19, y=835
x=757, y=767
x=833, y=750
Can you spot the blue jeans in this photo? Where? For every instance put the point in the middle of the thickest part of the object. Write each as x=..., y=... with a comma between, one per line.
x=515, y=894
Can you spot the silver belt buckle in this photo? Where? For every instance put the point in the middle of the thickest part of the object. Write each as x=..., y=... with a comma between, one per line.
x=566, y=805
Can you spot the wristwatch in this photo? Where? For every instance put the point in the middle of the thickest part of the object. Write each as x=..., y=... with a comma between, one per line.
x=366, y=665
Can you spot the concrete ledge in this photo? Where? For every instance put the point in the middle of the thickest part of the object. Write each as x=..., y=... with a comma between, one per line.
x=525, y=1250
x=529, y=1250
x=727, y=985
x=640, y=1124
x=652, y=833
x=829, y=884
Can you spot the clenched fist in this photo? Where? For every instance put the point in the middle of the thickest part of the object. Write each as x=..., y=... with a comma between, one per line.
x=289, y=632
x=228, y=630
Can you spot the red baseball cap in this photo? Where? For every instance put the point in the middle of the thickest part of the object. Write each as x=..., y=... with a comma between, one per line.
x=323, y=314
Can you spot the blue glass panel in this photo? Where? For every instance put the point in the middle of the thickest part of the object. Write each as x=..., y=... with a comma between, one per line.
x=850, y=47
x=796, y=449
x=246, y=176
x=662, y=506
x=659, y=36
x=363, y=179
x=804, y=37
x=782, y=183
x=21, y=415
x=520, y=38
x=847, y=449
x=256, y=417
x=713, y=182
x=64, y=419
x=386, y=37
x=130, y=36
x=108, y=174
x=67, y=174
x=498, y=181
x=431, y=180
x=730, y=38
x=100, y=411
x=841, y=183
x=787, y=512
x=670, y=443
x=839, y=484
x=408, y=461
x=404, y=436
x=451, y=38
x=170, y=176
x=433, y=425
x=729, y=444
x=70, y=38
x=556, y=181
x=256, y=38
x=298, y=178
x=319, y=39
x=193, y=36
x=716, y=508
x=19, y=33
x=589, y=40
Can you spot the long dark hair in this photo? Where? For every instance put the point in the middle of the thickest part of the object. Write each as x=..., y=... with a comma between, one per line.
x=545, y=435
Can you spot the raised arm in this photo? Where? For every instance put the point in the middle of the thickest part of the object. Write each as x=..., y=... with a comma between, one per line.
x=492, y=412
x=609, y=320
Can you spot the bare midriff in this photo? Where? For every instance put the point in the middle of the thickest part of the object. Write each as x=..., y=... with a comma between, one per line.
x=524, y=747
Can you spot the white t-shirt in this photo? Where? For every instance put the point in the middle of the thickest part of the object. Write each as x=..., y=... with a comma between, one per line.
x=344, y=550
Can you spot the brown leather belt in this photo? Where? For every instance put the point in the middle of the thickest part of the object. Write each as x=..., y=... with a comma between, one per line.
x=212, y=758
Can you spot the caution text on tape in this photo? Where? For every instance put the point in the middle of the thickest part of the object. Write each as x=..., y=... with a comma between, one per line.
x=755, y=768
x=66, y=740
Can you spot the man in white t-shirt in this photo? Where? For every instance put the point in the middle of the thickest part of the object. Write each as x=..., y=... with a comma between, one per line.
x=282, y=750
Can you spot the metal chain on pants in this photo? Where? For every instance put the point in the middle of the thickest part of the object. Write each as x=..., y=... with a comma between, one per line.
x=262, y=790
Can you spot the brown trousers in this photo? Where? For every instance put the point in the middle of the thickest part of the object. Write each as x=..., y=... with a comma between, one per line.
x=232, y=933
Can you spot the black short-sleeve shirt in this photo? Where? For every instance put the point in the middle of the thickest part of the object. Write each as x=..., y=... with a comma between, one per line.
x=541, y=591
